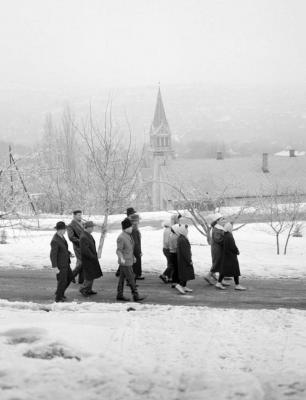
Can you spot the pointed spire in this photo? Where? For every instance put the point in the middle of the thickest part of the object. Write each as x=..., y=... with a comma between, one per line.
x=159, y=114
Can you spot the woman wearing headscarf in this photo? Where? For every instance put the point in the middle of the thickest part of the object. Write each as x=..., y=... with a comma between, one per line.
x=166, y=276
x=184, y=260
x=229, y=263
x=217, y=237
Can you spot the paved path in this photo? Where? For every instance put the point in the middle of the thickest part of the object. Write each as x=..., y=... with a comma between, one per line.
x=38, y=286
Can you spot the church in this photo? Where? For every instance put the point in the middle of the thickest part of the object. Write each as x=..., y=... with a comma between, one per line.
x=170, y=182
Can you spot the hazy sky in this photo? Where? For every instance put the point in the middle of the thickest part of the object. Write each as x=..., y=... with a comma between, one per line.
x=49, y=44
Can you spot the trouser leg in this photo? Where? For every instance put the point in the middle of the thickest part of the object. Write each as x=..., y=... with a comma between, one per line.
x=236, y=279
x=221, y=277
x=183, y=283
x=121, y=282
x=137, y=267
x=169, y=270
x=130, y=277
x=175, y=278
x=62, y=283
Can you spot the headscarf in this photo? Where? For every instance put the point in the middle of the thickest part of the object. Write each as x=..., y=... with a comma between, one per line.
x=228, y=227
x=183, y=230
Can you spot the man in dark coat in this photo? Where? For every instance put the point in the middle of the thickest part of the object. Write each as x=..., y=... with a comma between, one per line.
x=75, y=228
x=229, y=262
x=60, y=259
x=136, y=235
x=89, y=258
x=184, y=260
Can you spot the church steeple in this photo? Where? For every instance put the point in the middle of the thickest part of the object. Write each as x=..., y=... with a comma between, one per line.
x=160, y=134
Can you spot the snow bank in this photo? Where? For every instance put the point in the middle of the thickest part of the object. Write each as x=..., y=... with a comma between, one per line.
x=101, y=351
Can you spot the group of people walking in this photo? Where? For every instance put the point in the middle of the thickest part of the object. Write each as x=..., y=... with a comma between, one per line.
x=176, y=248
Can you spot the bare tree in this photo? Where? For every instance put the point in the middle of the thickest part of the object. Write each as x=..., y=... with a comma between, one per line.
x=114, y=163
x=282, y=214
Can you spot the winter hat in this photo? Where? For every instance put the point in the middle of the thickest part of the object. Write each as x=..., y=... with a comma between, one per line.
x=60, y=225
x=126, y=223
x=89, y=224
x=134, y=218
x=175, y=219
x=214, y=217
x=76, y=212
x=130, y=211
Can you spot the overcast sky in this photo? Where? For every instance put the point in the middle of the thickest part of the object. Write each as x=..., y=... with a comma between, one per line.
x=49, y=44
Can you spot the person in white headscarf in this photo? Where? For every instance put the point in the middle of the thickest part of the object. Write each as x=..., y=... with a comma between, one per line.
x=217, y=222
x=166, y=276
x=185, y=271
x=229, y=263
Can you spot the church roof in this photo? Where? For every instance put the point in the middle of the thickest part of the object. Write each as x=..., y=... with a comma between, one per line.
x=237, y=177
x=160, y=119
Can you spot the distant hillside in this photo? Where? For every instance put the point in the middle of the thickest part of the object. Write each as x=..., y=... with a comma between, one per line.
x=195, y=113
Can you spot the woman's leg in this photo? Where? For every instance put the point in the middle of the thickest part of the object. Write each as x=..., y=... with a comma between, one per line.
x=221, y=277
x=175, y=278
x=236, y=279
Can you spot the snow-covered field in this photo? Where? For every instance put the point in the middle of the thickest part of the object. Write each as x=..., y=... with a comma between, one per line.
x=101, y=351
x=30, y=249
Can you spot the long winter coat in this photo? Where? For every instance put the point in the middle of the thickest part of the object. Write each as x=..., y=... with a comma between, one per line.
x=74, y=230
x=89, y=257
x=59, y=254
x=217, y=238
x=230, y=264
x=184, y=260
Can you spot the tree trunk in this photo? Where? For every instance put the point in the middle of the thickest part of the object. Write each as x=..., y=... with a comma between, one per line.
x=103, y=234
x=277, y=243
x=287, y=240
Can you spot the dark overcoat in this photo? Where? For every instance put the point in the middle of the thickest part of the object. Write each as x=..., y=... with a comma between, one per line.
x=184, y=260
x=59, y=254
x=89, y=257
x=74, y=230
x=217, y=238
x=137, y=267
x=230, y=264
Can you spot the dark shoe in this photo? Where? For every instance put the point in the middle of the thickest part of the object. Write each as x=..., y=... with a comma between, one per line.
x=138, y=298
x=140, y=278
x=91, y=292
x=62, y=300
x=122, y=298
x=84, y=292
x=164, y=278
x=80, y=282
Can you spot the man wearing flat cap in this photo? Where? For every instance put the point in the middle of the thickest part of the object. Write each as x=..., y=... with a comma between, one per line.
x=89, y=258
x=75, y=228
x=60, y=259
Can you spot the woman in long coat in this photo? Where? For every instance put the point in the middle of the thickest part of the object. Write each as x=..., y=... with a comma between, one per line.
x=217, y=237
x=184, y=260
x=229, y=263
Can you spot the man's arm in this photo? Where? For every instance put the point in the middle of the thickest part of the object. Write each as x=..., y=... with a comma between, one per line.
x=72, y=236
x=54, y=253
x=120, y=246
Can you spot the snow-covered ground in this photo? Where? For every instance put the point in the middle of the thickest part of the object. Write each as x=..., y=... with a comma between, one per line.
x=30, y=249
x=101, y=351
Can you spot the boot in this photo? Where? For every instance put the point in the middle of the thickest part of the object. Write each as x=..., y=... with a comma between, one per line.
x=138, y=298
x=122, y=298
